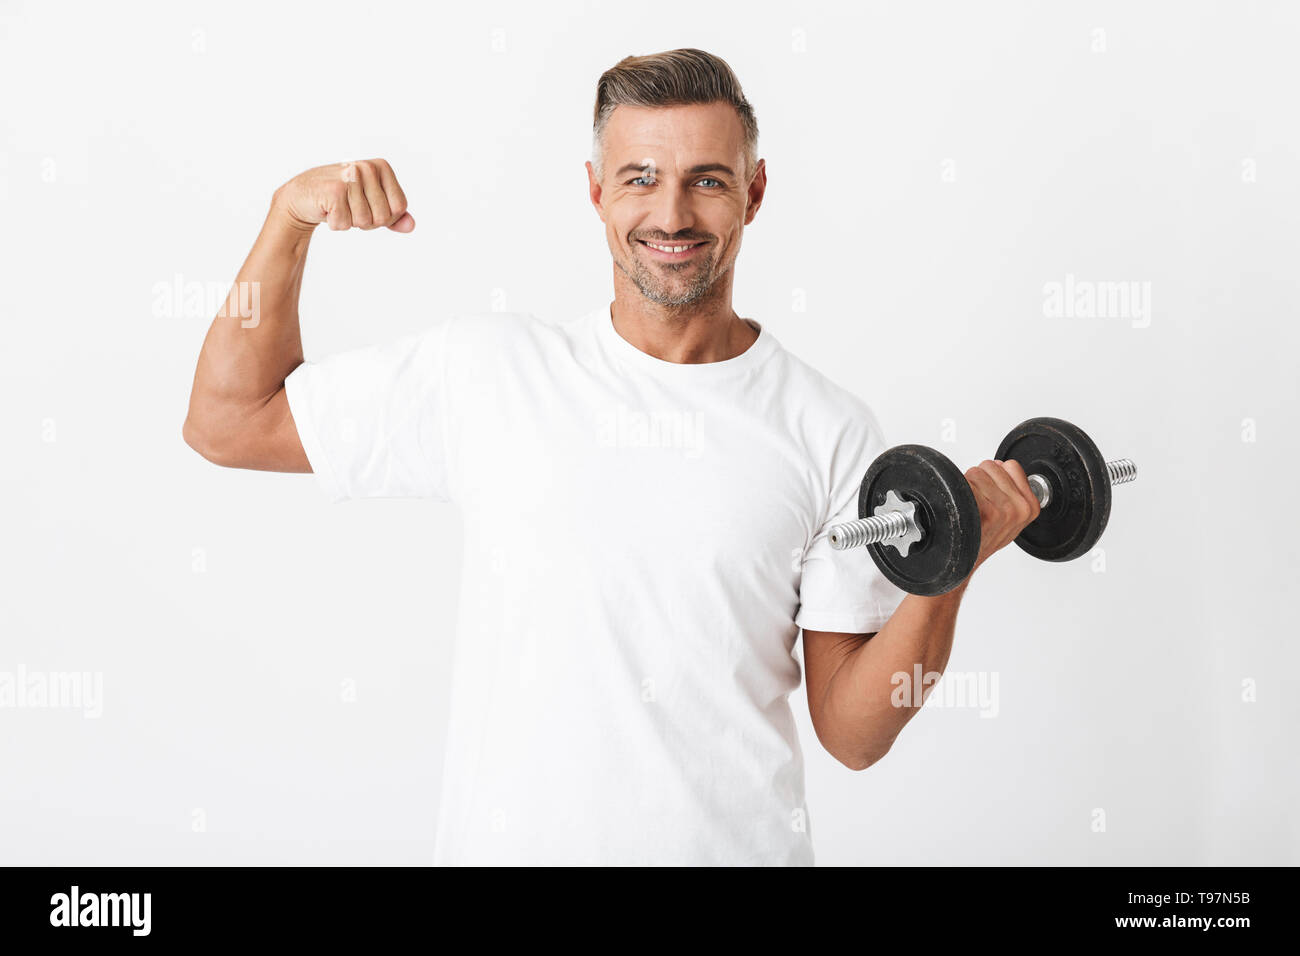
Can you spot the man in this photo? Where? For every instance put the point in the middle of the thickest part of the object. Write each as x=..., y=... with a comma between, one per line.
x=647, y=492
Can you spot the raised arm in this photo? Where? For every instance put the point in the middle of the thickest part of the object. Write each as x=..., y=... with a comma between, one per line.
x=850, y=677
x=238, y=413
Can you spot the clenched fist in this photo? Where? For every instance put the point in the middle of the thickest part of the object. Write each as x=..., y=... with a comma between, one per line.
x=363, y=194
x=1007, y=504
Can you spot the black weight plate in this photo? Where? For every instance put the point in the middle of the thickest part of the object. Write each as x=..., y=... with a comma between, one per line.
x=1076, y=516
x=947, y=513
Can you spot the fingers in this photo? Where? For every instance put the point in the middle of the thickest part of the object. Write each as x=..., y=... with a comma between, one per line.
x=357, y=203
x=999, y=477
x=1016, y=473
x=1002, y=487
x=373, y=197
x=363, y=194
x=985, y=490
x=401, y=220
x=340, y=215
x=404, y=223
x=380, y=214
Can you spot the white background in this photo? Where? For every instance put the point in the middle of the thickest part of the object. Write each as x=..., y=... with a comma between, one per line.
x=931, y=167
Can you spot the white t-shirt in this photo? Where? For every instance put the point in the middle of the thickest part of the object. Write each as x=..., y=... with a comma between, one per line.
x=643, y=541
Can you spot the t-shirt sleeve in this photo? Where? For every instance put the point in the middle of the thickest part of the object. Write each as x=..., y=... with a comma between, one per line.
x=372, y=420
x=844, y=591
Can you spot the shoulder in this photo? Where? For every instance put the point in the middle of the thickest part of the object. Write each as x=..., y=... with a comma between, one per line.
x=490, y=325
x=483, y=345
x=829, y=411
x=501, y=328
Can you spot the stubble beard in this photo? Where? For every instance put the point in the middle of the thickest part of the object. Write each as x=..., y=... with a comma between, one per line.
x=654, y=281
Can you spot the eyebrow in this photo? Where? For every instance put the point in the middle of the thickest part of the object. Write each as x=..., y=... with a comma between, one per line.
x=693, y=171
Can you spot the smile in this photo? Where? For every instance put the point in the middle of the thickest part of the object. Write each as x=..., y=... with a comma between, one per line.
x=672, y=251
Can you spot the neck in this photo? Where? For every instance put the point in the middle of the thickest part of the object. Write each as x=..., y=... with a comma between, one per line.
x=703, y=332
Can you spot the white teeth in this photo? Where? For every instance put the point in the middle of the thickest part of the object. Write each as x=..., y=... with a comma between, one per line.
x=654, y=245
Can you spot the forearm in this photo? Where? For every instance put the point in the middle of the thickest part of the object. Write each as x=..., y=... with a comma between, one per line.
x=861, y=718
x=254, y=342
x=239, y=413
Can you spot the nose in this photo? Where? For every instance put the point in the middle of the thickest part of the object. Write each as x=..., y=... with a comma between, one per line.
x=672, y=211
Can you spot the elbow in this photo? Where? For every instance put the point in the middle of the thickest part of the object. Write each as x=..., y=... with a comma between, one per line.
x=203, y=440
x=849, y=748
x=861, y=759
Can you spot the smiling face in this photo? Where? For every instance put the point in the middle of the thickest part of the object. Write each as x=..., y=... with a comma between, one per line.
x=674, y=197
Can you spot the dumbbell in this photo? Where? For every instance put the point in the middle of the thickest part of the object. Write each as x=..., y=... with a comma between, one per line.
x=919, y=520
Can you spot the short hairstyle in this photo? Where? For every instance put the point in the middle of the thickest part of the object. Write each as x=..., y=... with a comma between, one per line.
x=672, y=78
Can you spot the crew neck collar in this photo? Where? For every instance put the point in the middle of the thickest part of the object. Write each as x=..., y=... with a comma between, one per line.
x=759, y=349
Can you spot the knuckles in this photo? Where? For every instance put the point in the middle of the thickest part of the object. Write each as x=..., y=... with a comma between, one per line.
x=335, y=190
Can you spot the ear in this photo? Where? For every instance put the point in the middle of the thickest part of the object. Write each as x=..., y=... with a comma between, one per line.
x=594, y=190
x=757, y=188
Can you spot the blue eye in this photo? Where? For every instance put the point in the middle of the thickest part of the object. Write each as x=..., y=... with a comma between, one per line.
x=707, y=179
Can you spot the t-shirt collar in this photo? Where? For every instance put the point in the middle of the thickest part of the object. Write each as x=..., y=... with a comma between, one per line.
x=759, y=349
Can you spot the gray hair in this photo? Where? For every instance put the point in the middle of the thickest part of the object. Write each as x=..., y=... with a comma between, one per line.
x=673, y=78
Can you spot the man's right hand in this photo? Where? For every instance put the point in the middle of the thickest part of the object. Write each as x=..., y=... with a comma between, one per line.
x=362, y=195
